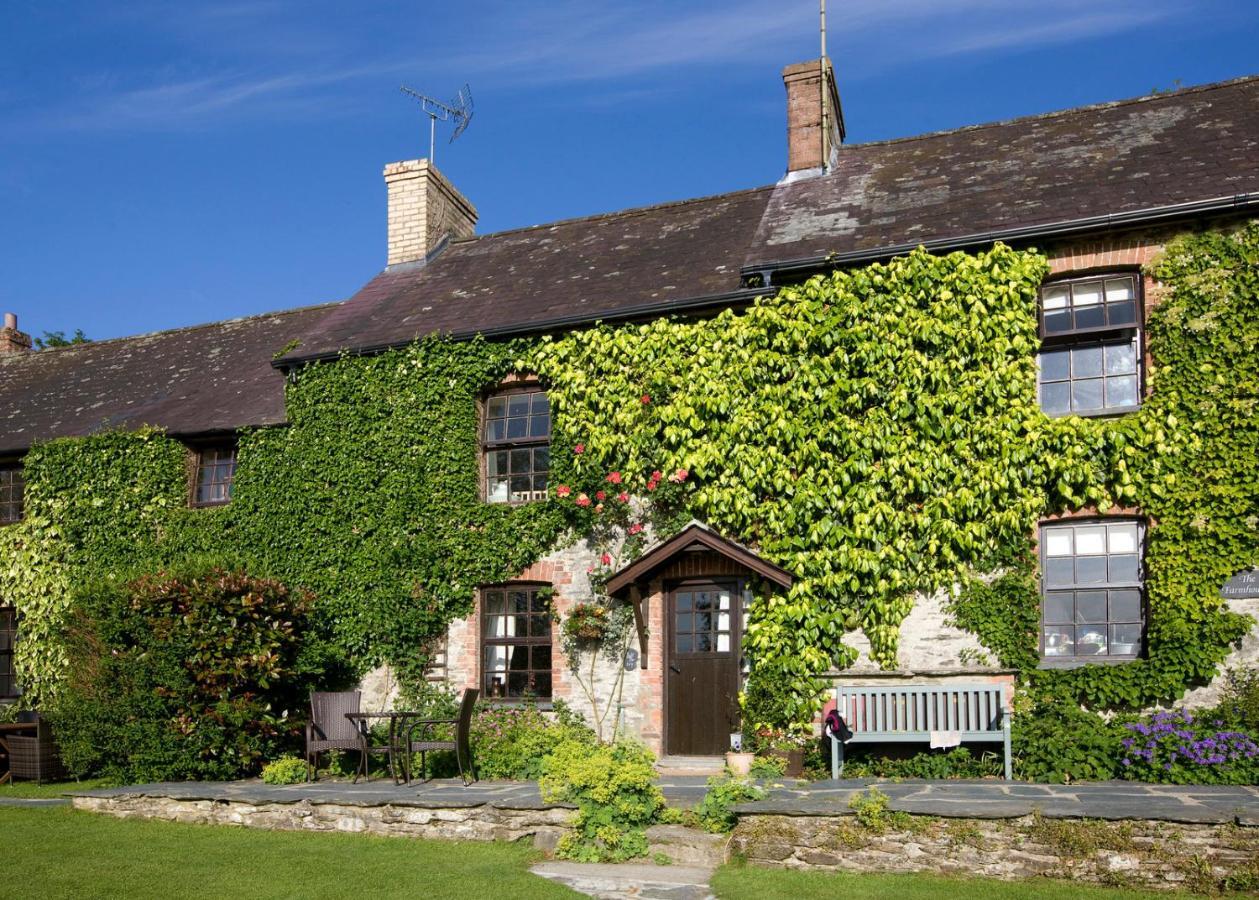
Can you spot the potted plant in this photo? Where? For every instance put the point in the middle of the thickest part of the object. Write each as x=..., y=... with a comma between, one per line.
x=785, y=745
x=587, y=622
x=738, y=760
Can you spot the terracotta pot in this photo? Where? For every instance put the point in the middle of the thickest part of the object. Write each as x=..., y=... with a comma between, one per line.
x=740, y=763
x=795, y=761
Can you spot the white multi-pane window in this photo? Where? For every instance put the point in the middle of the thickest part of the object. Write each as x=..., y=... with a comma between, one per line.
x=1090, y=360
x=517, y=446
x=1091, y=585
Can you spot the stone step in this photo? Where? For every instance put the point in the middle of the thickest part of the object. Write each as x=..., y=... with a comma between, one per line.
x=691, y=765
x=687, y=846
x=630, y=881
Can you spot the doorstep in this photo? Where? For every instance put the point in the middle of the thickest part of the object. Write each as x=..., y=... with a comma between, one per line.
x=670, y=766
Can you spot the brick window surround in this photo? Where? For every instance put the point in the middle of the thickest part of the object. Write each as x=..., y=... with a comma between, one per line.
x=214, y=473
x=515, y=444
x=1092, y=590
x=1090, y=359
x=516, y=650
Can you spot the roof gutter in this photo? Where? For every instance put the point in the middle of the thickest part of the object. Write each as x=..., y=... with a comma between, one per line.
x=1231, y=203
x=545, y=326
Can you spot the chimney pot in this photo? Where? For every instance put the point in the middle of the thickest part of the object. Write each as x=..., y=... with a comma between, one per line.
x=815, y=119
x=12, y=340
x=424, y=210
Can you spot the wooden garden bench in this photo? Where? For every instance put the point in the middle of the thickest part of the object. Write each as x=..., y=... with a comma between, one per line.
x=909, y=713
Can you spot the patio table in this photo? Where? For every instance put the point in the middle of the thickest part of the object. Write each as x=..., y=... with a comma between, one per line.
x=12, y=728
x=396, y=744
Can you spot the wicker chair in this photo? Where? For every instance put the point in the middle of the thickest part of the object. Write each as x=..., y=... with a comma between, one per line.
x=35, y=757
x=421, y=740
x=329, y=729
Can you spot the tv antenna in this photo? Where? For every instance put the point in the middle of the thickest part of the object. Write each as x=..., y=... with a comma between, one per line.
x=458, y=110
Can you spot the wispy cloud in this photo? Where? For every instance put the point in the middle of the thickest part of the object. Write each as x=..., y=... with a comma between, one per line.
x=269, y=58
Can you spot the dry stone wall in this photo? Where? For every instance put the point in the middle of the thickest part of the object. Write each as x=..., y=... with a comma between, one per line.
x=1138, y=853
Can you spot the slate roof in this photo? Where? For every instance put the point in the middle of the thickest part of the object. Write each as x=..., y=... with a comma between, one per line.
x=880, y=198
x=189, y=381
x=1103, y=160
x=580, y=269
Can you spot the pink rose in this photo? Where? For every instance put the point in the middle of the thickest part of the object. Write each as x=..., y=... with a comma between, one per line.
x=679, y=476
x=600, y=495
x=606, y=559
x=651, y=485
x=614, y=478
x=636, y=528
x=598, y=507
x=563, y=490
x=623, y=497
x=583, y=500
x=646, y=398
x=657, y=475
x=579, y=449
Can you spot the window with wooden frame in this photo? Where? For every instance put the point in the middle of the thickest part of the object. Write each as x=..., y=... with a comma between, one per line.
x=12, y=493
x=516, y=641
x=214, y=471
x=1092, y=607
x=1090, y=358
x=516, y=445
x=8, y=640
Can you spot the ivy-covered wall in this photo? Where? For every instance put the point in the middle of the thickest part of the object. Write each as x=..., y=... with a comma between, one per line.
x=875, y=431
x=370, y=498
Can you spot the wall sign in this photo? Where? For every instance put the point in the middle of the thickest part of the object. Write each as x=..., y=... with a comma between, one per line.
x=1242, y=586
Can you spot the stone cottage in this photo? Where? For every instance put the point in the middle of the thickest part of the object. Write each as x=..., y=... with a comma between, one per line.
x=1099, y=189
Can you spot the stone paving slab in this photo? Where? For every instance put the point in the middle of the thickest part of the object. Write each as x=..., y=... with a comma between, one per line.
x=1000, y=800
x=630, y=881
x=438, y=793
x=957, y=799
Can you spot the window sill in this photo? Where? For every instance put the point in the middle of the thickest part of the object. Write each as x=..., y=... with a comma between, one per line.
x=1096, y=414
x=1076, y=662
x=512, y=703
x=211, y=505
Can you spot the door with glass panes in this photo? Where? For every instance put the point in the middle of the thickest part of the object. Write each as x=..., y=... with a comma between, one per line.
x=702, y=681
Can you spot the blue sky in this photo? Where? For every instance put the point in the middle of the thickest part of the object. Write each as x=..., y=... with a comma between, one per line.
x=166, y=164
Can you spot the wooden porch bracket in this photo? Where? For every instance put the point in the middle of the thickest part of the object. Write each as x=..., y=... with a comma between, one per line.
x=640, y=623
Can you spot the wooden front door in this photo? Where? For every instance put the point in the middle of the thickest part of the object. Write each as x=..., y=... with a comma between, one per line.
x=703, y=667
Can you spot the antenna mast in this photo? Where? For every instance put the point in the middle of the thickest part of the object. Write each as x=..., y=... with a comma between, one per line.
x=458, y=110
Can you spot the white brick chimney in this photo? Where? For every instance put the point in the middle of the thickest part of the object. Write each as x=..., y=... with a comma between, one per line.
x=12, y=340
x=424, y=210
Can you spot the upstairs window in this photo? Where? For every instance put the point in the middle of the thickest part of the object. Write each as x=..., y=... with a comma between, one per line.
x=12, y=492
x=214, y=475
x=1090, y=361
x=516, y=443
x=8, y=638
x=1092, y=590
x=516, y=641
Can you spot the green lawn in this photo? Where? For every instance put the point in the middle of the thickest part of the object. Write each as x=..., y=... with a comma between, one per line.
x=60, y=852
x=737, y=882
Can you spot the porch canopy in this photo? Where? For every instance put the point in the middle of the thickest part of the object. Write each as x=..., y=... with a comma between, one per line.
x=631, y=582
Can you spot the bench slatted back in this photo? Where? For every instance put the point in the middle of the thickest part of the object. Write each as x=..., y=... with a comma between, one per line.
x=910, y=713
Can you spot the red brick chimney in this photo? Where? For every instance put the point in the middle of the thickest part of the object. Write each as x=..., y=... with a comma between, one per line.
x=815, y=120
x=12, y=340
